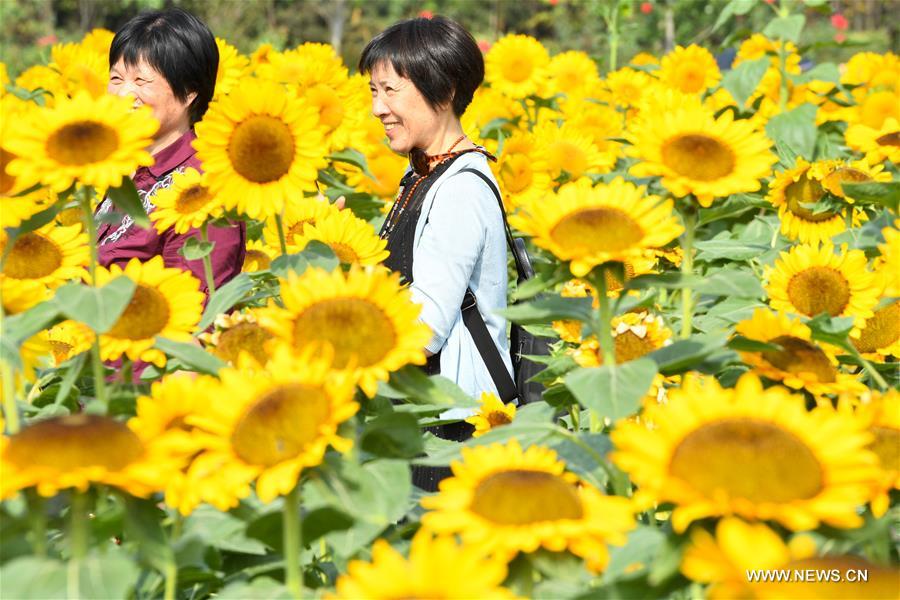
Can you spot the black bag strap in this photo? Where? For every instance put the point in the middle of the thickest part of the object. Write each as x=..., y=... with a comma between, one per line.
x=474, y=322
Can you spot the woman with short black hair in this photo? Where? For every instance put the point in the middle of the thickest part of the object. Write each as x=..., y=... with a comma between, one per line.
x=167, y=60
x=445, y=232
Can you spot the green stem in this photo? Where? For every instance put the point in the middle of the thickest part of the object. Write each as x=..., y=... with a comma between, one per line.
x=871, y=370
x=38, y=520
x=171, y=565
x=291, y=534
x=280, y=224
x=604, y=324
x=84, y=200
x=687, y=266
x=612, y=24
x=207, y=262
x=782, y=66
x=77, y=542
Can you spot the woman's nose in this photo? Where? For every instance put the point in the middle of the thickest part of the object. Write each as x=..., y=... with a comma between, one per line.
x=379, y=107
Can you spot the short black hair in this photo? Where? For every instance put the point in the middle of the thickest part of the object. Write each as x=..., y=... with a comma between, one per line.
x=178, y=45
x=438, y=55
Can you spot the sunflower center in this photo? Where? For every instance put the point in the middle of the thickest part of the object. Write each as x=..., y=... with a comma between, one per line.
x=356, y=328
x=749, y=459
x=800, y=356
x=192, y=199
x=698, y=157
x=819, y=289
x=886, y=446
x=889, y=139
x=521, y=497
x=882, y=330
x=566, y=156
x=690, y=78
x=612, y=281
x=629, y=346
x=249, y=337
x=60, y=350
x=496, y=418
x=345, y=253
x=281, y=424
x=145, y=316
x=262, y=149
x=7, y=181
x=806, y=191
x=82, y=143
x=516, y=174
x=597, y=229
x=517, y=68
x=33, y=256
x=75, y=442
x=331, y=109
x=258, y=258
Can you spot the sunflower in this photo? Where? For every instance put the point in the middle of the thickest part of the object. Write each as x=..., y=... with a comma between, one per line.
x=493, y=414
x=232, y=67
x=261, y=146
x=504, y=500
x=35, y=353
x=305, y=66
x=488, y=105
x=750, y=452
x=888, y=262
x=627, y=86
x=724, y=561
x=162, y=416
x=69, y=339
x=50, y=255
x=437, y=567
x=386, y=170
x=237, y=334
x=353, y=240
x=18, y=295
x=365, y=315
x=643, y=59
x=80, y=67
x=571, y=73
x=879, y=145
x=95, y=141
x=44, y=78
x=809, y=280
x=277, y=422
x=601, y=122
x=516, y=66
x=259, y=256
x=696, y=153
x=875, y=108
x=872, y=71
x=298, y=213
x=520, y=180
x=800, y=363
x=635, y=334
x=187, y=203
x=834, y=173
x=568, y=149
x=75, y=451
x=691, y=70
x=591, y=225
x=880, y=336
x=881, y=416
x=342, y=110
x=167, y=302
x=569, y=330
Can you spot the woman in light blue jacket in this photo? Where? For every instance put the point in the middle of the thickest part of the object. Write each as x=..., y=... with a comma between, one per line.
x=445, y=232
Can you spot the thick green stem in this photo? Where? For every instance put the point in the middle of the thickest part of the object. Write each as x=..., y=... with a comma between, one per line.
x=172, y=566
x=604, y=325
x=38, y=520
x=612, y=24
x=207, y=263
x=87, y=215
x=77, y=542
x=291, y=534
x=279, y=222
x=783, y=91
x=687, y=267
x=871, y=370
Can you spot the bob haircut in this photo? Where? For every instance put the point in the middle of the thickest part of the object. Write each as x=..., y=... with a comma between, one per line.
x=178, y=45
x=438, y=55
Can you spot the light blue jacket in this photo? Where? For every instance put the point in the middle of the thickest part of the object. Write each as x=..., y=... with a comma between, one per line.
x=460, y=241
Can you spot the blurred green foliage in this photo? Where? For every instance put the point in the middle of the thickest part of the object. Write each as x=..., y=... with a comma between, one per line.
x=28, y=28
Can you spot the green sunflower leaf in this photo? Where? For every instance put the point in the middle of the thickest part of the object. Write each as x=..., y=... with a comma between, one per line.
x=126, y=198
x=98, y=308
x=613, y=391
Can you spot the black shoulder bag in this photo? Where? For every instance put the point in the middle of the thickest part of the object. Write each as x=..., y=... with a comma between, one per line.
x=521, y=342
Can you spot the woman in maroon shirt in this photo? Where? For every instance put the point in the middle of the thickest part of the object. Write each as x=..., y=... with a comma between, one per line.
x=168, y=61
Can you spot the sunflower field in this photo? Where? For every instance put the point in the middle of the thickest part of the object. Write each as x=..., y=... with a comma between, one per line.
x=718, y=268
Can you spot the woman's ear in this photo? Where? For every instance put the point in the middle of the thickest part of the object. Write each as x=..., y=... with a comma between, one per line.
x=190, y=98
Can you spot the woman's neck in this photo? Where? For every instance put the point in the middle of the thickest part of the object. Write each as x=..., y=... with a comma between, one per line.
x=446, y=135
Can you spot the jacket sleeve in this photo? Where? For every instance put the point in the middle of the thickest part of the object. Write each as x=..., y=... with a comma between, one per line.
x=227, y=256
x=449, y=251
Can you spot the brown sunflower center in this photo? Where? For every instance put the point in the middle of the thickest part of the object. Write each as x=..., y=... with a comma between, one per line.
x=612, y=281
x=247, y=337
x=806, y=191
x=816, y=290
x=886, y=446
x=800, y=356
x=281, y=424
x=629, y=346
x=566, y=156
x=497, y=418
x=192, y=199
x=32, y=256
x=356, y=328
x=597, y=229
x=889, y=139
x=261, y=149
x=82, y=143
x=344, y=252
x=698, y=157
x=521, y=497
x=747, y=458
x=7, y=181
x=691, y=77
x=75, y=442
x=146, y=315
x=60, y=350
x=517, y=68
x=257, y=259
x=882, y=330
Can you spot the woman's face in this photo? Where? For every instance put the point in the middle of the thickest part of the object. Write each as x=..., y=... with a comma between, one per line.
x=408, y=119
x=148, y=86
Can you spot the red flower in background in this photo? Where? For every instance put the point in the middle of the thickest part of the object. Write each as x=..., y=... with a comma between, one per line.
x=646, y=7
x=553, y=2
x=839, y=37
x=839, y=22
x=426, y=14
x=484, y=45
x=47, y=40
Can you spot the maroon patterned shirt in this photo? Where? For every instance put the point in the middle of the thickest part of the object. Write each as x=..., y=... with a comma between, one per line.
x=119, y=239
